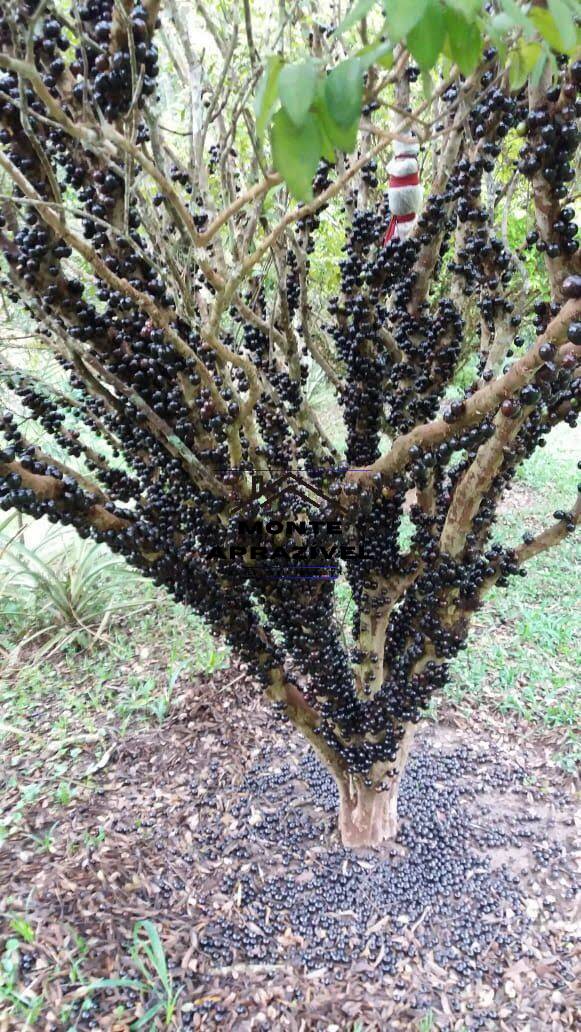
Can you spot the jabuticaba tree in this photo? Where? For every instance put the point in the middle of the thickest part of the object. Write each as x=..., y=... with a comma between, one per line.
x=173, y=278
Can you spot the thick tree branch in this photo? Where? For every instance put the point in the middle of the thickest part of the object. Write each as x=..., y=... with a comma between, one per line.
x=479, y=405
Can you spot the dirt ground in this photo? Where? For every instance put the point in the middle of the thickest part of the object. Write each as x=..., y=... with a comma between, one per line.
x=221, y=830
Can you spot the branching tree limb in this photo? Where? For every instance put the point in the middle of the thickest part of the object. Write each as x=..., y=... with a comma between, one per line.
x=179, y=288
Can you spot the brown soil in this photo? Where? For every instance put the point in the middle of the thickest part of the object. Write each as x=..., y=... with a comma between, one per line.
x=191, y=823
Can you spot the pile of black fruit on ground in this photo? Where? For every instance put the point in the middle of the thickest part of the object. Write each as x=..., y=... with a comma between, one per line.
x=328, y=906
x=228, y=844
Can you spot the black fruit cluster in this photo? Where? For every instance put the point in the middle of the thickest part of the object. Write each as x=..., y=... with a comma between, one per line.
x=155, y=412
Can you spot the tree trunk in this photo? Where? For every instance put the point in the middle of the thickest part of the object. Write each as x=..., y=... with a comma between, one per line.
x=368, y=816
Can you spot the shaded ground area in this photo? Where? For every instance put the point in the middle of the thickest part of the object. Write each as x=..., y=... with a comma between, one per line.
x=223, y=835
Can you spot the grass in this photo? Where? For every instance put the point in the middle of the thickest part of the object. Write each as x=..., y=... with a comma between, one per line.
x=128, y=676
x=152, y=983
x=73, y=588
x=521, y=654
x=522, y=649
x=25, y=1007
x=552, y=471
x=55, y=707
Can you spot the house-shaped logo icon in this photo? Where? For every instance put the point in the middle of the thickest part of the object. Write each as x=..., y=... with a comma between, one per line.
x=266, y=489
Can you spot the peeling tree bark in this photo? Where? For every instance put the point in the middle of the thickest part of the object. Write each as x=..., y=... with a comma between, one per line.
x=368, y=815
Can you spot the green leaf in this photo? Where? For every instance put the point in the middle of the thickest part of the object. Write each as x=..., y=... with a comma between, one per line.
x=296, y=152
x=469, y=8
x=426, y=39
x=344, y=92
x=376, y=53
x=296, y=89
x=496, y=30
x=465, y=41
x=518, y=18
x=387, y=61
x=22, y=928
x=553, y=65
x=565, y=23
x=537, y=72
x=344, y=138
x=355, y=15
x=153, y=948
x=547, y=28
x=521, y=62
x=328, y=149
x=501, y=23
x=402, y=15
x=111, y=983
x=145, y=1020
x=266, y=94
x=545, y=24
